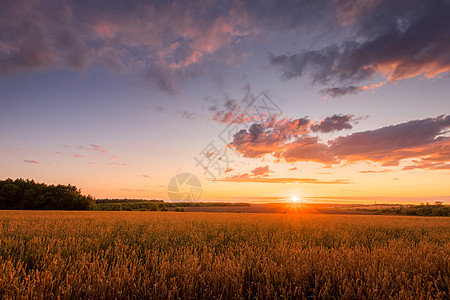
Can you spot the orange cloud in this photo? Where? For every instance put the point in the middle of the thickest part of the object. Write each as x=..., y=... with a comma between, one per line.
x=246, y=178
x=418, y=139
x=261, y=171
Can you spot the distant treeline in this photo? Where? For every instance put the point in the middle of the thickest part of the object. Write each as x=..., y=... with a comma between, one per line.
x=154, y=205
x=437, y=209
x=23, y=194
x=29, y=195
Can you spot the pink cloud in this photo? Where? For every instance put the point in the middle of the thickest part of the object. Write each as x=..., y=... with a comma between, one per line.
x=88, y=147
x=419, y=139
x=31, y=161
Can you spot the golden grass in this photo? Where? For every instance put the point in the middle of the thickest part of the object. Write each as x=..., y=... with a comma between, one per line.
x=208, y=255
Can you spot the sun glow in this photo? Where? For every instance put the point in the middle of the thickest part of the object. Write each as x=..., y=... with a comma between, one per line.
x=295, y=199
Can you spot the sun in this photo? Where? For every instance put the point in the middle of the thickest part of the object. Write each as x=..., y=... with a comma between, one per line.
x=294, y=199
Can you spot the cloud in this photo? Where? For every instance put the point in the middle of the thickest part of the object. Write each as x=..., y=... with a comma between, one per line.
x=255, y=173
x=423, y=140
x=306, y=148
x=88, y=147
x=261, y=171
x=393, y=143
x=283, y=138
x=187, y=115
x=263, y=138
x=426, y=165
x=245, y=178
x=170, y=41
x=261, y=175
x=374, y=171
x=163, y=78
x=98, y=151
x=117, y=164
x=340, y=91
x=333, y=123
x=31, y=161
x=165, y=41
x=229, y=110
x=227, y=170
x=397, y=40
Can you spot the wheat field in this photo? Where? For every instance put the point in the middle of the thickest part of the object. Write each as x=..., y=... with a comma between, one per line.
x=168, y=255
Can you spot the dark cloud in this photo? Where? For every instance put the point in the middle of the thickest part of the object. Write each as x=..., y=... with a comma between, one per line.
x=397, y=39
x=333, y=123
x=166, y=41
x=170, y=41
x=340, y=91
x=289, y=14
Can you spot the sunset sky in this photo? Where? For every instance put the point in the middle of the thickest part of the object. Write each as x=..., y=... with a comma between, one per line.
x=117, y=97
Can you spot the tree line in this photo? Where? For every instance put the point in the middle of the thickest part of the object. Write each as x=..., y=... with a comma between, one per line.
x=438, y=209
x=23, y=194
x=156, y=205
x=29, y=195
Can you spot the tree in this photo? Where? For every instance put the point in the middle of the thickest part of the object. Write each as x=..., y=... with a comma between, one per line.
x=27, y=194
x=154, y=207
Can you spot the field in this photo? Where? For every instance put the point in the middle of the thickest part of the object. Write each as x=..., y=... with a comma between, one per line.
x=217, y=255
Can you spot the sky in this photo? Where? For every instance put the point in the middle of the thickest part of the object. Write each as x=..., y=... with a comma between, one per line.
x=341, y=101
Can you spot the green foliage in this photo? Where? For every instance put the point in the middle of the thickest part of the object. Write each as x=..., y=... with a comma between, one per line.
x=428, y=210
x=144, y=205
x=179, y=209
x=29, y=195
x=154, y=207
x=437, y=210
